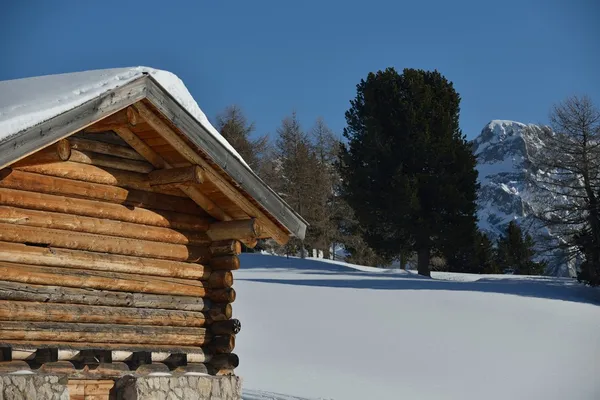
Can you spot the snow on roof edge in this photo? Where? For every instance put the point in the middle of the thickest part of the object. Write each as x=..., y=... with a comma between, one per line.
x=27, y=102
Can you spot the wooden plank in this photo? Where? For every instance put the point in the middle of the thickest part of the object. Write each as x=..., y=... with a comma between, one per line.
x=109, y=161
x=110, y=149
x=56, y=257
x=102, y=333
x=77, y=223
x=217, y=179
x=61, y=294
x=98, y=209
x=45, y=312
x=20, y=180
x=97, y=174
x=17, y=146
x=103, y=244
x=103, y=280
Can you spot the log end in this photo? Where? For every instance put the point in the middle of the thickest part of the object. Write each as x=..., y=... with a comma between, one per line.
x=222, y=344
x=133, y=116
x=225, y=263
x=63, y=149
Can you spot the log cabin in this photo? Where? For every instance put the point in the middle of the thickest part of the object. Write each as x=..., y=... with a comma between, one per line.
x=122, y=215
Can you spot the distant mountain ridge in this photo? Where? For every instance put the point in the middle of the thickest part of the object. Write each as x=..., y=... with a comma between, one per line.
x=503, y=150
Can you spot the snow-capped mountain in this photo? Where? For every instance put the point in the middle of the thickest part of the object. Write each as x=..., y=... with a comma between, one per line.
x=503, y=152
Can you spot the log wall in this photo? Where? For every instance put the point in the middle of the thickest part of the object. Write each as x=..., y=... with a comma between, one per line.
x=96, y=256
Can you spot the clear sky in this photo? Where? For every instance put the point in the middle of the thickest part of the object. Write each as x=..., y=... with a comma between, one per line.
x=508, y=59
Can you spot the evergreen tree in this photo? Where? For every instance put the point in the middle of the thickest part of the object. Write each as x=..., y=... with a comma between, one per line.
x=485, y=254
x=296, y=164
x=408, y=172
x=325, y=147
x=234, y=127
x=478, y=258
x=516, y=251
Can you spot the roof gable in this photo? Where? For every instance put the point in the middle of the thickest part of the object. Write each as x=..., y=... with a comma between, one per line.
x=32, y=122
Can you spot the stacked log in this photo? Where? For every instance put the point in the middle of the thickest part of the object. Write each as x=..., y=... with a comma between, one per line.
x=100, y=251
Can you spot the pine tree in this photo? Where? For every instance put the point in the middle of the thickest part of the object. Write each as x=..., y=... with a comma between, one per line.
x=408, y=172
x=234, y=127
x=325, y=147
x=296, y=163
x=516, y=252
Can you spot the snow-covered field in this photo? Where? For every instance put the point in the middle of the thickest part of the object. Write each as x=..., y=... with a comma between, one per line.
x=326, y=330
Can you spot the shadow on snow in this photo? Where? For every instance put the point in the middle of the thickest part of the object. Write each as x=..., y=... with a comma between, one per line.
x=342, y=276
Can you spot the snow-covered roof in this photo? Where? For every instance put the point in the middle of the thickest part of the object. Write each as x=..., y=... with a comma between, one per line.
x=36, y=112
x=27, y=102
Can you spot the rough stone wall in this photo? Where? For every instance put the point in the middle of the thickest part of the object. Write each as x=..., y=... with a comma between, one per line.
x=185, y=387
x=33, y=387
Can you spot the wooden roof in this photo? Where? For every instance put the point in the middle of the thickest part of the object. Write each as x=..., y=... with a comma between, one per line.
x=148, y=118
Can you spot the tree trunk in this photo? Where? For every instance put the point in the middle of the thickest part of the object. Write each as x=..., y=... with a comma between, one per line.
x=424, y=254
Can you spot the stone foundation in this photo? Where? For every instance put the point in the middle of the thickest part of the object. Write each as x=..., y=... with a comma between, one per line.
x=168, y=387
x=33, y=387
x=185, y=387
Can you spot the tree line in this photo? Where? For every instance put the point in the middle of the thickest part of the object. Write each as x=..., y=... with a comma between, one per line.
x=402, y=186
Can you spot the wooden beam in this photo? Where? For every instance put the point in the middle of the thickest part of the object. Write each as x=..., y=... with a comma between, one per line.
x=77, y=223
x=64, y=258
x=101, y=175
x=45, y=312
x=105, y=281
x=142, y=148
x=227, y=295
x=59, y=151
x=109, y=161
x=229, y=327
x=110, y=149
x=109, y=123
x=183, y=175
x=104, y=244
x=220, y=279
x=211, y=174
x=225, y=263
x=239, y=229
x=222, y=344
x=104, y=210
x=102, y=333
x=205, y=203
x=199, y=354
x=21, y=180
x=61, y=294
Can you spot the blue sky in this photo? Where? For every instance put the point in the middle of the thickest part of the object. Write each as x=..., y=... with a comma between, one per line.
x=508, y=59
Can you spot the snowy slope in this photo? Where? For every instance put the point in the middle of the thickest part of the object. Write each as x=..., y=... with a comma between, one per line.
x=316, y=330
x=27, y=102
